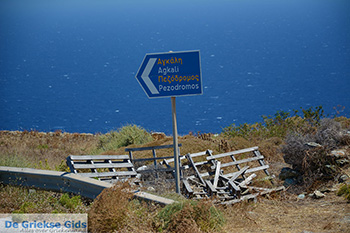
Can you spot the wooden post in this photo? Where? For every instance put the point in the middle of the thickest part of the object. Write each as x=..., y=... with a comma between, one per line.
x=176, y=146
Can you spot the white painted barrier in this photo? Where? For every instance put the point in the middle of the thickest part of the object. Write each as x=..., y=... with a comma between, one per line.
x=63, y=182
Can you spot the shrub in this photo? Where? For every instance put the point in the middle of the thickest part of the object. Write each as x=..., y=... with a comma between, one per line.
x=278, y=125
x=329, y=133
x=110, y=212
x=14, y=161
x=294, y=149
x=344, y=190
x=24, y=200
x=318, y=165
x=127, y=135
x=190, y=216
x=70, y=203
x=314, y=163
x=313, y=116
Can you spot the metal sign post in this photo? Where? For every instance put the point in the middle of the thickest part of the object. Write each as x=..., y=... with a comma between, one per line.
x=168, y=75
x=176, y=146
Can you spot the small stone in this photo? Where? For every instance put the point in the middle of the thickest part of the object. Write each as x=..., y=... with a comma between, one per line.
x=32, y=191
x=343, y=178
x=313, y=144
x=338, y=153
x=318, y=195
x=289, y=182
x=288, y=173
x=151, y=189
x=142, y=168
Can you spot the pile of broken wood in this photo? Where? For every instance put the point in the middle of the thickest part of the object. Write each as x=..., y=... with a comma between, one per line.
x=228, y=177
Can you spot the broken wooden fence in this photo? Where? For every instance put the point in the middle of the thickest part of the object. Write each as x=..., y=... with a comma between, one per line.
x=227, y=176
x=157, y=167
x=102, y=167
x=222, y=176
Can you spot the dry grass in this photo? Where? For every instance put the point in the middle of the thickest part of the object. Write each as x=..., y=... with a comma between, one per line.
x=42, y=150
x=288, y=214
x=23, y=200
x=113, y=211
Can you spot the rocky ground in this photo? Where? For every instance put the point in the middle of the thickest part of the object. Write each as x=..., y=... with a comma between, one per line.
x=287, y=212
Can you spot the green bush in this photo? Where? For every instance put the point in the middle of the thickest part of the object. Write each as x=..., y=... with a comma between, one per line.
x=278, y=125
x=344, y=190
x=70, y=203
x=14, y=161
x=127, y=135
x=23, y=200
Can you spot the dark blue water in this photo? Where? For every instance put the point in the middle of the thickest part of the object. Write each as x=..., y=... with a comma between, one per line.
x=71, y=64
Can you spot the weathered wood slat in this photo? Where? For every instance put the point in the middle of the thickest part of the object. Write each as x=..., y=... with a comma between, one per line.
x=245, y=182
x=192, y=179
x=234, y=188
x=106, y=174
x=98, y=157
x=241, y=161
x=232, y=153
x=217, y=174
x=262, y=162
x=156, y=158
x=200, y=163
x=251, y=196
x=103, y=165
x=211, y=189
x=158, y=169
x=189, y=158
x=240, y=172
x=204, y=174
x=258, y=188
x=234, y=175
x=188, y=188
x=202, y=153
x=254, y=169
x=70, y=164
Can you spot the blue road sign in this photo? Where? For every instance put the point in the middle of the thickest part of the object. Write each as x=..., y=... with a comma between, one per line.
x=171, y=74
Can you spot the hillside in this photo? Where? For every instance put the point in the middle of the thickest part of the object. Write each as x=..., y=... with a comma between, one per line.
x=277, y=138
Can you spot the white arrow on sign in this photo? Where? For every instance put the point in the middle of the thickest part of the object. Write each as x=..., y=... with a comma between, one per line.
x=145, y=76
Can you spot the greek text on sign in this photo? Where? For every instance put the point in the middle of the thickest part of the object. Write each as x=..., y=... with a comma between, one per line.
x=171, y=74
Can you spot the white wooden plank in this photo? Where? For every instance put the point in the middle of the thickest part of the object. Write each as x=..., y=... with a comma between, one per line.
x=105, y=174
x=103, y=165
x=99, y=157
x=217, y=174
x=242, y=161
x=232, y=153
x=245, y=182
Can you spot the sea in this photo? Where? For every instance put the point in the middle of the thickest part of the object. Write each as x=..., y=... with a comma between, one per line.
x=70, y=65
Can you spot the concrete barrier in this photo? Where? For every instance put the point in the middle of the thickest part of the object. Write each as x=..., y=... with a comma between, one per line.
x=64, y=182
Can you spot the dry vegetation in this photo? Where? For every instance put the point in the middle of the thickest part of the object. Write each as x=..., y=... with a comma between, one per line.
x=116, y=210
